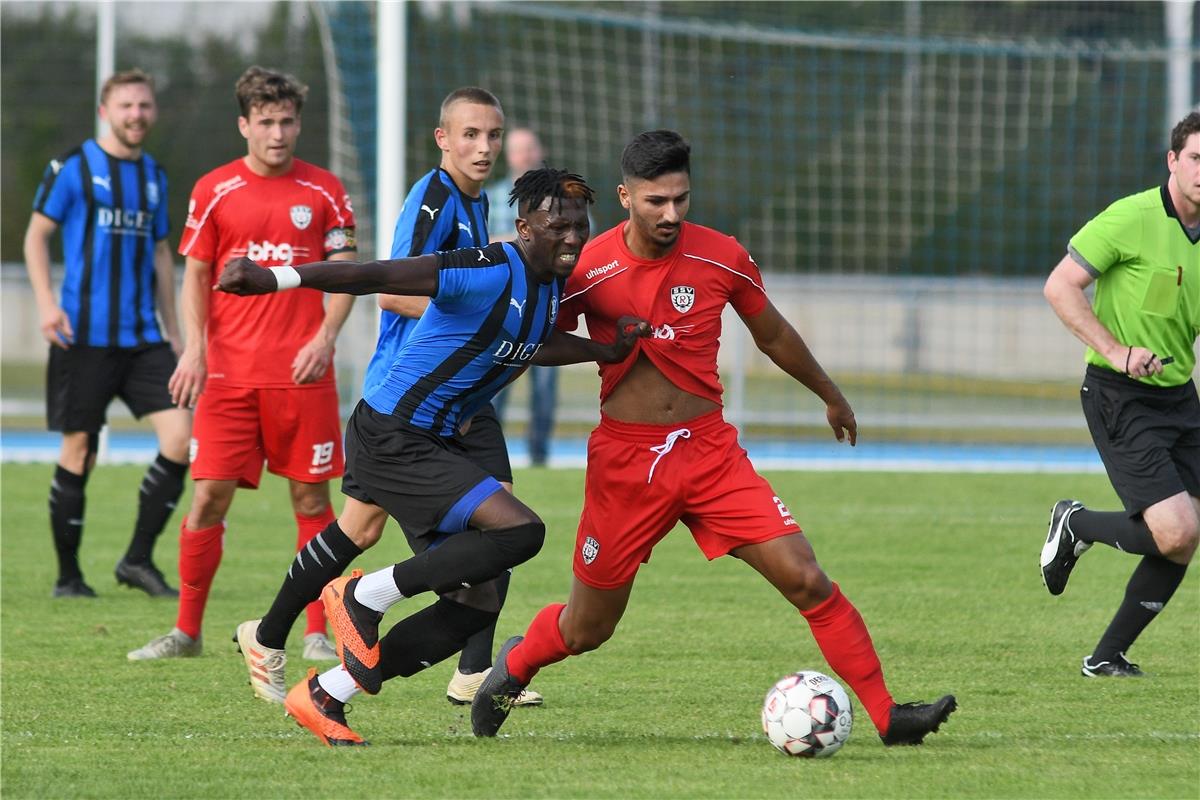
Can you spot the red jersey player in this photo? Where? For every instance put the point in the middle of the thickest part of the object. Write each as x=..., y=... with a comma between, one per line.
x=663, y=454
x=258, y=369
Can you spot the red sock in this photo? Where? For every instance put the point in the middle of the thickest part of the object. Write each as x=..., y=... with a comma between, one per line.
x=306, y=529
x=199, y=556
x=844, y=641
x=543, y=645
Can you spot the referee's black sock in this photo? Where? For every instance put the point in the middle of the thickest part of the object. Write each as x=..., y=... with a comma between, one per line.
x=67, y=502
x=157, y=496
x=1115, y=529
x=429, y=636
x=477, y=652
x=1149, y=590
x=468, y=558
x=324, y=558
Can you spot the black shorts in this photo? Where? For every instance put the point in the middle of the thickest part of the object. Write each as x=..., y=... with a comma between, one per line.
x=484, y=441
x=82, y=381
x=430, y=484
x=1148, y=436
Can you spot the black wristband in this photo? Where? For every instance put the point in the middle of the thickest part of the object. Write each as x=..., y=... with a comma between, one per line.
x=1127, y=355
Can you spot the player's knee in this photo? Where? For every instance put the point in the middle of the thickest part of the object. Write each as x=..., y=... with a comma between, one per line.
x=520, y=542
x=210, y=501
x=1177, y=540
x=483, y=597
x=807, y=585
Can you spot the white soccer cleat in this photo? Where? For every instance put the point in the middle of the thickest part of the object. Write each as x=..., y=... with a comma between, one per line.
x=265, y=664
x=317, y=647
x=175, y=644
x=463, y=687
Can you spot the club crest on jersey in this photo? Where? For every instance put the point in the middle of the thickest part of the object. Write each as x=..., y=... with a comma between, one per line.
x=553, y=308
x=152, y=193
x=590, y=549
x=682, y=298
x=301, y=216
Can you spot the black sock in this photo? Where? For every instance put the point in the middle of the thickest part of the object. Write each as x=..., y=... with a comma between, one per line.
x=1147, y=593
x=160, y=490
x=67, y=502
x=468, y=558
x=324, y=558
x=477, y=652
x=1115, y=529
x=429, y=636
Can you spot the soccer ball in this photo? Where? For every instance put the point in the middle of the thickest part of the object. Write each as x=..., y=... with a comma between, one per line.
x=807, y=714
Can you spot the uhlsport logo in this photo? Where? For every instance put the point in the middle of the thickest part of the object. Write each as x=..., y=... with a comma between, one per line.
x=682, y=298
x=301, y=216
x=594, y=271
x=590, y=549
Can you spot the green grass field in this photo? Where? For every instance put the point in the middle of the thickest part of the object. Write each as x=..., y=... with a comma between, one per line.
x=941, y=566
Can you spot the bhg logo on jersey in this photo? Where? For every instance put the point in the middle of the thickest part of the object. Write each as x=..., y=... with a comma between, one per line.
x=266, y=250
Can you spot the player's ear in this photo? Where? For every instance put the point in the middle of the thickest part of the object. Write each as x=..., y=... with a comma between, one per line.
x=244, y=127
x=524, y=232
x=441, y=137
x=623, y=195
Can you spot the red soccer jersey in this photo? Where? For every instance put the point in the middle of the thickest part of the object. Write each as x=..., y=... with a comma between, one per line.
x=290, y=219
x=681, y=295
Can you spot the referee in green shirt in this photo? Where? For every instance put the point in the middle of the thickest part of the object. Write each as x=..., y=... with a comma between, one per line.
x=1143, y=254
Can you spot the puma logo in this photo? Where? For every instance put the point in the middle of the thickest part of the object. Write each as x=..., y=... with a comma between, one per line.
x=105, y=182
x=520, y=307
x=432, y=212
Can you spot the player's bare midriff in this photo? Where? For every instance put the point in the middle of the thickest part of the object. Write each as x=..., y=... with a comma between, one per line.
x=647, y=396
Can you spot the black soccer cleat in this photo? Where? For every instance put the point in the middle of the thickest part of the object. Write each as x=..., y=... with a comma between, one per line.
x=1119, y=667
x=1062, y=549
x=73, y=587
x=910, y=723
x=496, y=694
x=146, y=577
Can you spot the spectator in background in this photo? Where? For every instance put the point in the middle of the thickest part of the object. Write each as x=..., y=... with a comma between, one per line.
x=110, y=199
x=523, y=152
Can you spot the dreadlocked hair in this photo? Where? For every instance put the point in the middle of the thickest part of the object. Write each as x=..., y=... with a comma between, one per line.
x=536, y=185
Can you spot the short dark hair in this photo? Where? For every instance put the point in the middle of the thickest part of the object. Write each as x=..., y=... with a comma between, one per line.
x=536, y=185
x=1180, y=133
x=259, y=86
x=468, y=94
x=124, y=78
x=655, y=153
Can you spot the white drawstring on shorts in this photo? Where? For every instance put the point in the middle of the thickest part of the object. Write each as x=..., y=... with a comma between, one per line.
x=665, y=447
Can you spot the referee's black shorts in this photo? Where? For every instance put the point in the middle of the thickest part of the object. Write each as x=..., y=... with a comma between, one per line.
x=430, y=484
x=82, y=381
x=1148, y=436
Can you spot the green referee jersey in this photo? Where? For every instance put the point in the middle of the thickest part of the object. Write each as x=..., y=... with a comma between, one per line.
x=1147, y=271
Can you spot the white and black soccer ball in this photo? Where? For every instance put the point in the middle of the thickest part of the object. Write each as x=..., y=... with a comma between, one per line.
x=807, y=714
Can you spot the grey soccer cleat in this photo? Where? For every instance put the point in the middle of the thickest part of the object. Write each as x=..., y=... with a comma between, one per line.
x=1062, y=549
x=317, y=647
x=175, y=644
x=496, y=694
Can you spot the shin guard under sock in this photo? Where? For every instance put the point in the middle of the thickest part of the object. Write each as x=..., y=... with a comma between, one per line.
x=1115, y=529
x=318, y=562
x=429, y=636
x=846, y=644
x=199, y=556
x=477, y=652
x=157, y=497
x=1149, y=590
x=67, y=503
x=543, y=645
x=307, y=528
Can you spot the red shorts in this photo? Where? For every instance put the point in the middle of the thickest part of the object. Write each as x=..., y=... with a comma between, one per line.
x=295, y=431
x=643, y=479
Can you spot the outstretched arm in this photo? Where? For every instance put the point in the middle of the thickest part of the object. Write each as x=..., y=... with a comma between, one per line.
x=415, y=276
x=783, y=344
x=564, y=348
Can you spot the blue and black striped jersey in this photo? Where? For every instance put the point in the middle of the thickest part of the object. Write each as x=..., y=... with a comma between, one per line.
x=437, y=216
x=481, y=331
x=113, y=212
